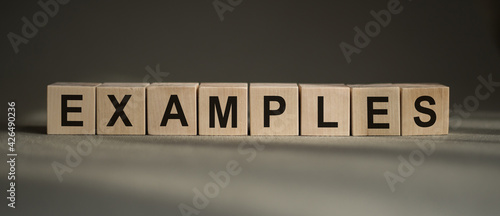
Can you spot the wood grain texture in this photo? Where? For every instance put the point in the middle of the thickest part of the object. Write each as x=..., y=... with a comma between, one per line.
x=85, y=101
x=134, y=109
x=360, y=96
x=159, y=96
x=286, y=123
x=224, y=92
x=336, y=109
x=435, y=99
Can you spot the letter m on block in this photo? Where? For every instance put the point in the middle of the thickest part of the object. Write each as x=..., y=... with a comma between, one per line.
x=231, y=107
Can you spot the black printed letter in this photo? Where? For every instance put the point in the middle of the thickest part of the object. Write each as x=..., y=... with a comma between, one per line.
x=372, y=112
x=231, y=104
x=425, y=110
x=65, y=110
x=268, y=113
x=119, y=110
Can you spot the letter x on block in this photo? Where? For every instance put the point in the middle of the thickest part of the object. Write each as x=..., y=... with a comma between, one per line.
x=121, y=108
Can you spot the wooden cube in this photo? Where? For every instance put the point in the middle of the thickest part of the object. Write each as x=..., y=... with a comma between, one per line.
x=223, y=109
x=324, y=109
x=274, y=109
x=121, y=108
x=424, y=109
x=172, y=108
x=71, y=108
x=375, y=110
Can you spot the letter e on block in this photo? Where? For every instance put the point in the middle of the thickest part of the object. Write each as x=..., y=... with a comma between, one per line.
x=71, y=108
x=424, y=109
x=375, y=110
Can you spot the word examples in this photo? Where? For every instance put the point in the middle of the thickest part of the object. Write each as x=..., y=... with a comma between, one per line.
x=247, y=109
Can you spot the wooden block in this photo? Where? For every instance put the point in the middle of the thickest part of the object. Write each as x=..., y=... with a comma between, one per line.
x=223, y=109
x=375, y=110
x=324, y=109
x=424, y=109
x=71, y=108
x=172, y=108
x=121, y=108
x=274, y=109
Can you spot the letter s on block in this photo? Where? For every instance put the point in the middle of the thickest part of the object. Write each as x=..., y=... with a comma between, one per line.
x=425, y=110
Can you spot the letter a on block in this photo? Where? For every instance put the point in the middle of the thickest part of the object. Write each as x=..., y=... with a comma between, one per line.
x=424, y=109
x=172, y=108
x=274, y=109
x=121, y=108
x=375, y=110
x=223, y=109
x=71, y=108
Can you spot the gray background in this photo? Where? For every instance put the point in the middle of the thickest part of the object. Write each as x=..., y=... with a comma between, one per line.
x=450, y=42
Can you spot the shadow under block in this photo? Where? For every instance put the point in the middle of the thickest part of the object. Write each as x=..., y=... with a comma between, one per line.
x=223, y=109
x=324, y=109
x=121, y=108
x=375, y=110
x=424, y=109
x=172, y=108
x=71, y=108
x=274, y=109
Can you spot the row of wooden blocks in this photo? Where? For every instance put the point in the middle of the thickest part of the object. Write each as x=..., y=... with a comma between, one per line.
x=227, y=108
